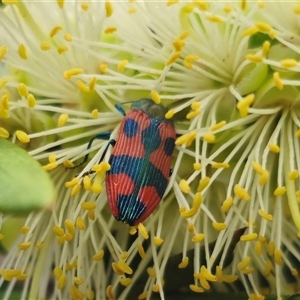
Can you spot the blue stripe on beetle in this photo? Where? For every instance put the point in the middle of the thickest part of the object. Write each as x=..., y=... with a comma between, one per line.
x=140, y=162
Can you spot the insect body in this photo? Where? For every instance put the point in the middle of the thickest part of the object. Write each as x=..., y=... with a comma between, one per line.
x=140, y=162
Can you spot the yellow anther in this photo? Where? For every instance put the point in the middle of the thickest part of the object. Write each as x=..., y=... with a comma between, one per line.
x=5, y=101
x=256, y=297
x=22, y=136
x=227, y=8
x=218, y=126
x=155, y=288
x=293, y=175
x=90, y=294
x=78, y=280
x=263, y=27
x=214, y=18
x=258, y=249
x=31, y=101
x=68, y=237
x=22, y=276
x=132, y=10
x=68, y=164
x=3, y=51
x=184, y=34
x=195, y=105
x=57, y=272
x=62, y=281
x=171, y=112
x=266, y=48
x=122, y=65
x=3, y=82
x=82, y=86
x=250, y=31
x=98, y=256
x=62, y=49
x=198, y=237
x=280, y=191
x=62, y=120
x=92, y=84
x=124, y=267
x=143, y=231
x=50, y=166
x=219, y=226
x=24, y=229
x=108, y=9
x=87, y=183
x=22, y=51
x=196, y=289
x=184, y=186
x=271, y=248
x=141, y=251
x=188, y=61
x=227, y=203
x=173, y=58
x=171, y=2
x=274, y=148
x=88, y=205
x=254, y=58
x=4, y=133
x=201, y=4
x=220, y=165
x=277, y=81
x=70, y=226
x=157, y=240
x=241, y=193
x=289, y=63
x=191, y=228
x=268, y=268
x=110, y=29
x=261, y=5
x=248, y=237
x=75, y=293
x=58, y=231
x=248, y=271
x=151, y=272
x=244, y=104
x=143, y=295
x=24, y=246
x=197, y=166
x=209, y=137
x=13, y=272
x=3, y=113
x=52, y=158
x=132, y=230
x=68, y=37
x=126, y=281
x=296, y=9
x=244, y=263
x=155, y=97
x=207, y=275
x=95, y=113
x=263, y=178
x=60, y=240
x=80, y=223
x=265, y=215
x=103, y=68
x=124, y=255
x=184, y=263
x=278, y=257
x=55, y=30
x=22, y=90
x=117, y=269
x=85, y=6
x=71, y=183
x=294, y=272
x=273, y=34
x=193, y=114
x=75, y=190
x=178, y=44
x=45, y=46
x=72, y=72
x=102, y=167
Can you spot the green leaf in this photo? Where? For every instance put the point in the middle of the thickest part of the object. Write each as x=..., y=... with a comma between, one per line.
x=24, y=185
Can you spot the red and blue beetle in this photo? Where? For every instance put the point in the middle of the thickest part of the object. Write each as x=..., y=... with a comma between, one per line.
x=140, y=162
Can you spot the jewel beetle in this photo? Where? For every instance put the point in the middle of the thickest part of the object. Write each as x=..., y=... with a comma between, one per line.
x=140, y=162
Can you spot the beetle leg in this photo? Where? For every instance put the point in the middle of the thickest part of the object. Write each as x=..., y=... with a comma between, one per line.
x=100, y=136
x=120, y=109
x=171, y=172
